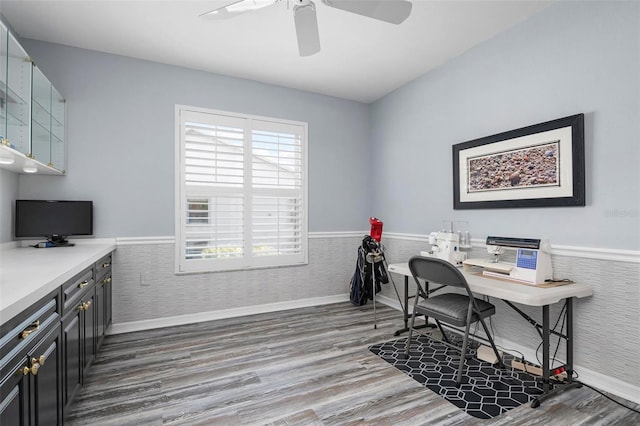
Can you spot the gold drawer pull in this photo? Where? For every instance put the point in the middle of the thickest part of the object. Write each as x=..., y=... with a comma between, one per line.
x=36, y=363
x=83, y=284
x=40, y=360
x=87, y=305
x=33, y=327
x=106, y=280
x=33, y=370
x=106, y=264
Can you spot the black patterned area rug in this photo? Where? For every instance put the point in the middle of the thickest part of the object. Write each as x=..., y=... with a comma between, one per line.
x=485, y=392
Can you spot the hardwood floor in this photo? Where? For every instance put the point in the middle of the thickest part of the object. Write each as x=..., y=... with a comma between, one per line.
x=307, y=366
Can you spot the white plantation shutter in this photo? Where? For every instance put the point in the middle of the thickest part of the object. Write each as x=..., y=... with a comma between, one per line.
x=241, y=198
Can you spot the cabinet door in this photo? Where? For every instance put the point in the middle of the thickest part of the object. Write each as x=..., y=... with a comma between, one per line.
x=108, y=300
x=3, y=81
x=89, y=330
x=58, y=144
x=99, y=313
x=103, y=278
x=46, y=380
x=40, y=117
x=47, y=122
x=14, y=396
x=72, y=350
x=18, y=99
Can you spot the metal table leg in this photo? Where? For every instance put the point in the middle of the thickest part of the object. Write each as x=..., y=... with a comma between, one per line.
x=405, y=310
x=547, y=392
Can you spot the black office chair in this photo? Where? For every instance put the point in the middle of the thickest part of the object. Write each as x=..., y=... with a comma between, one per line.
x=459, y=310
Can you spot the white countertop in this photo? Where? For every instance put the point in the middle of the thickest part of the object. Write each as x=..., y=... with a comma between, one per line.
x=512, y=291
x=28, y=274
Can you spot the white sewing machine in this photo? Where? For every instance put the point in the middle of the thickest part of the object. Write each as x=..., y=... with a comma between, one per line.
x=445, y=246
x=533, y=260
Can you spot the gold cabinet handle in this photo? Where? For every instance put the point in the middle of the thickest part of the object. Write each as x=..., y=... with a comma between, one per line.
x=33, y=370
x=106, y=264
x=33, y=327
x=82, y=307
x=40, y=360
x=83, y=284
x=106, y=280
x=87, y=305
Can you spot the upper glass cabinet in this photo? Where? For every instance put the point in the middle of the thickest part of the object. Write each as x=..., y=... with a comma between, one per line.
x=3, y=82
x=17, y=96
x=58, y=145
x=47, y=122
x=32, y=114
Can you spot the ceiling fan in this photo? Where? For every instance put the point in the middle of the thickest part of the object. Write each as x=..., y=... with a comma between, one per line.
x=304, y=15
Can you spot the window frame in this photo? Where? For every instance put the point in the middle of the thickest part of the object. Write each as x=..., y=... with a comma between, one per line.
x=247, y=261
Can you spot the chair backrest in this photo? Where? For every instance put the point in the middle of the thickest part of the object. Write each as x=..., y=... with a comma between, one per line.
x=437, y=271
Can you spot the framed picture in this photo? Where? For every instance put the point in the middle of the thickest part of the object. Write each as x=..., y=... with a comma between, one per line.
x=535, y=166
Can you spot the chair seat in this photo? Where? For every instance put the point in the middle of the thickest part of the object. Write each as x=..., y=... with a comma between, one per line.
x=452, y=308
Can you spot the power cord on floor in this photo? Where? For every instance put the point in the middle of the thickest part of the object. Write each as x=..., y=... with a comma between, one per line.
x=609, y=398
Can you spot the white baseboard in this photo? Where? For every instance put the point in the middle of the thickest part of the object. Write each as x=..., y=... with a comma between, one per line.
x=592, y=378
x=610, y=385
x=127, y=327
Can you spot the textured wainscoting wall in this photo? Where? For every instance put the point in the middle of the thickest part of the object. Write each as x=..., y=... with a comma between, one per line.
x=146, y=287
x=607, y=324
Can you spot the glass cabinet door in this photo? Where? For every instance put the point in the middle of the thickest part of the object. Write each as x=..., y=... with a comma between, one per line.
x=47, y=122
x=18, y=96
x=40, y=117
x=58, y=108
x=3, y=82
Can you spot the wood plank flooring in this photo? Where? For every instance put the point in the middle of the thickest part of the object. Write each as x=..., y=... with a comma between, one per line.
x=307, y=366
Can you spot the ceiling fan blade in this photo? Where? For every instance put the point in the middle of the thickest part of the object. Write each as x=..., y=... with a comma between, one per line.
x=392, y=11
x=237, y=7
x=307, y=29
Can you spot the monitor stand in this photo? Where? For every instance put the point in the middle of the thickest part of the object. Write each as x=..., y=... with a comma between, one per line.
x=59, y=241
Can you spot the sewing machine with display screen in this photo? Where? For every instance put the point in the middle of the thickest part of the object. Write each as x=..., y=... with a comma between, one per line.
x=532, y=265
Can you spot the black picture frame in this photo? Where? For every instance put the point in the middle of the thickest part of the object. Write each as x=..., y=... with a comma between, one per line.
x=542, y=165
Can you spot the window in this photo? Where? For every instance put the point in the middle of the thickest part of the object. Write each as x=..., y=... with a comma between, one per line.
x=241, y=194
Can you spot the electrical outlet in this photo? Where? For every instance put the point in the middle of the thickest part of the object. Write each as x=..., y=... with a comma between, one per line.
x=145, y=279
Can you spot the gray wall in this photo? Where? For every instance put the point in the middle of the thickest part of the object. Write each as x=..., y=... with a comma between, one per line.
x=570, y=58
x=120, y=132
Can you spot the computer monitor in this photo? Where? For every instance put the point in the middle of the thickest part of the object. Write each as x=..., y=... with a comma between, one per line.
x=54, y=220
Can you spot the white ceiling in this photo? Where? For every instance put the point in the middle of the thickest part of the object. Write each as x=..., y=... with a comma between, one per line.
x=361, y=59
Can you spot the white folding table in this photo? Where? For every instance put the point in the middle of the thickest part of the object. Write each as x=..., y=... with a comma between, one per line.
x=512, y=292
